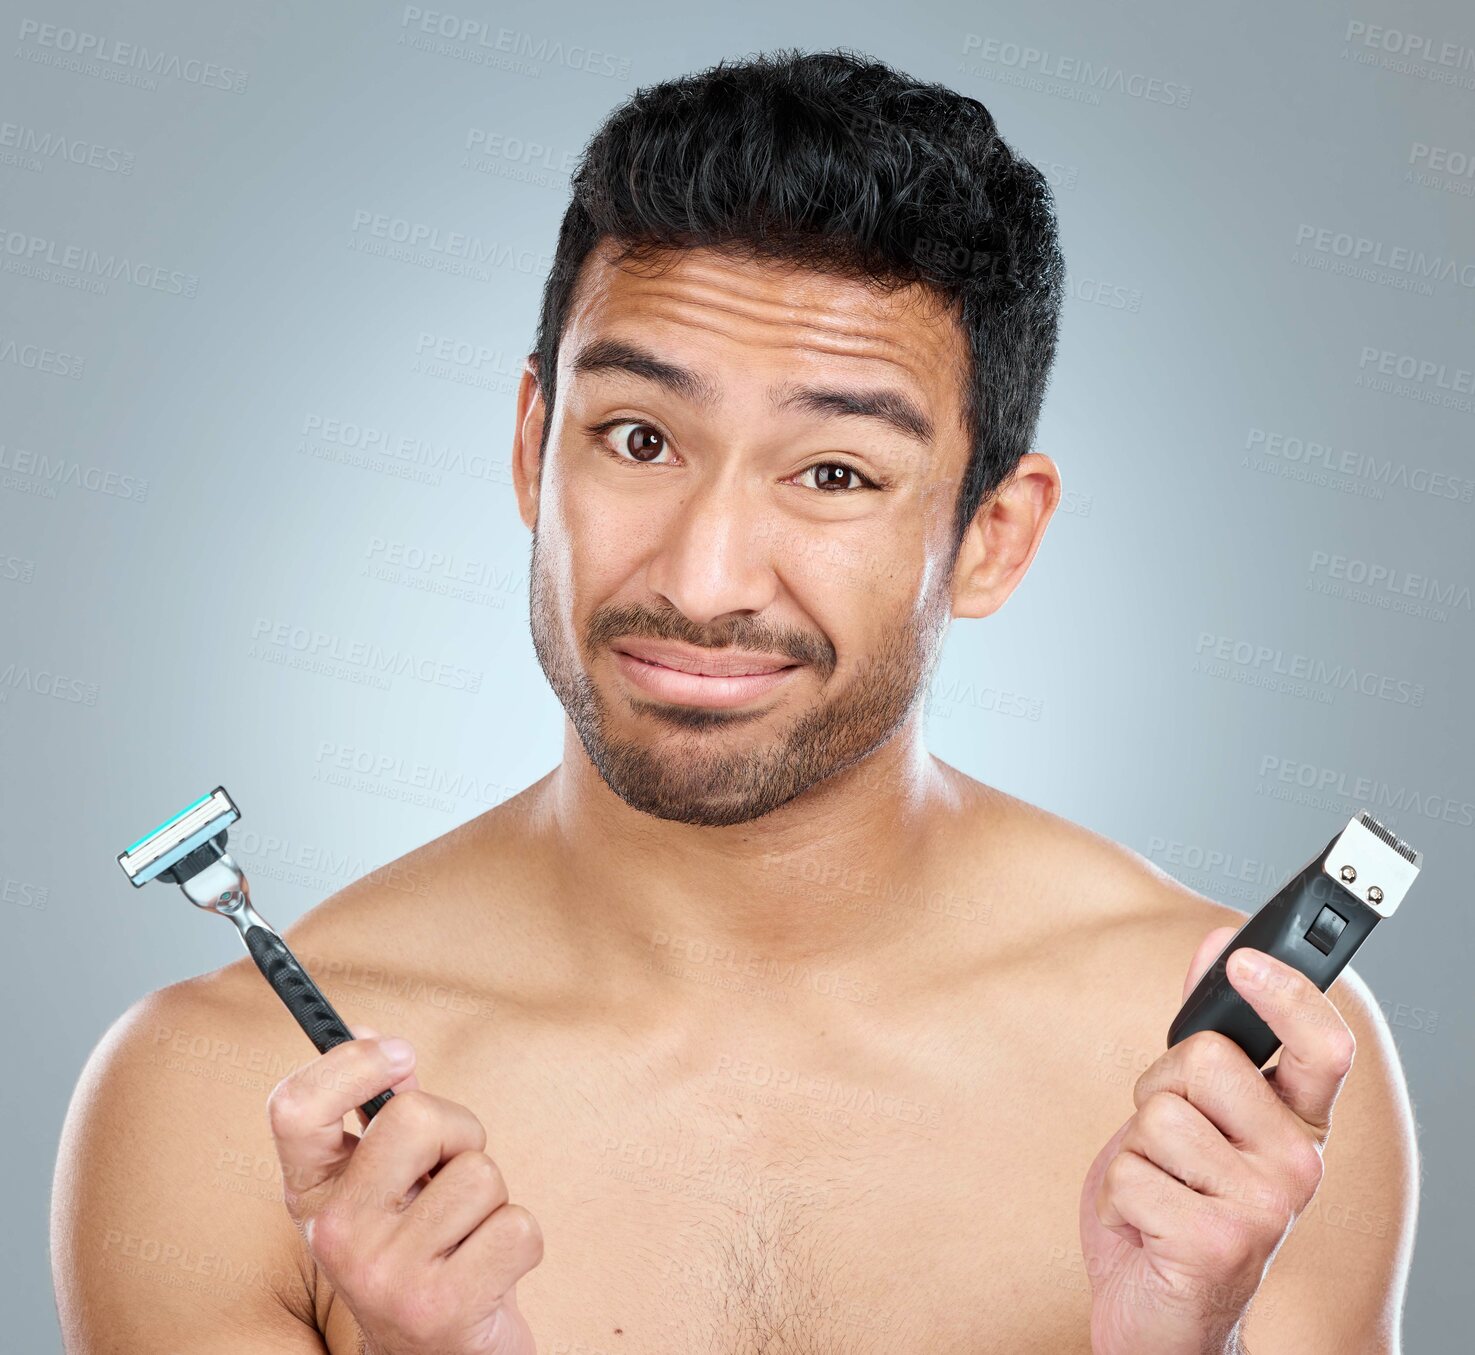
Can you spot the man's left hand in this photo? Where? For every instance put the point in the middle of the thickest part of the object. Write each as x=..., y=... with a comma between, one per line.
x=1185, y=1206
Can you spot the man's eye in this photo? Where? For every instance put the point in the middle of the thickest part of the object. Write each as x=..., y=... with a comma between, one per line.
x=836, y=478
x=630, y=441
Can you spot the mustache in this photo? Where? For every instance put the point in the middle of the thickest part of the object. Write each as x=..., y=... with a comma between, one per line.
x=744, y=632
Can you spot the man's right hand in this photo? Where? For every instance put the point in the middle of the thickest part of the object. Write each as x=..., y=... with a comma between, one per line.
x=410, y=1220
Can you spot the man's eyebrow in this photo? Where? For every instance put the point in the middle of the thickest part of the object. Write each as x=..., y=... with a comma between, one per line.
x=615, y=355
x=891, y=407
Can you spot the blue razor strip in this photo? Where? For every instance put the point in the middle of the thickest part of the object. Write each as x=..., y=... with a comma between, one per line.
x=167, y=824
x=176, y=853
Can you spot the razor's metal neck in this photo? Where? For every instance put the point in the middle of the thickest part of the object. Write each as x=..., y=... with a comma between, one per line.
x=222, y=888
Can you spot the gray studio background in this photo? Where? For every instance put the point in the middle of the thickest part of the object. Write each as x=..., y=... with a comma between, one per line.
x=277, y=438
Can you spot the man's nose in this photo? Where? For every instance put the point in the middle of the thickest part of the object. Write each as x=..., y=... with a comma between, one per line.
x=716, y=554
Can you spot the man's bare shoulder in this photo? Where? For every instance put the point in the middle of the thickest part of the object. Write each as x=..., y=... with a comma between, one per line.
x=1081, y=880
x=488, y=855
x=192, y=1064
x=166, y=1208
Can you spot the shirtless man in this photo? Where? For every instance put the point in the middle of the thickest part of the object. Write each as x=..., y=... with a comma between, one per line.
x=752, y=1026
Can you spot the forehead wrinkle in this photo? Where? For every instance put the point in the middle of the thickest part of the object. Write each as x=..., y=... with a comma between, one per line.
x=824, y=331
x=704, y=295
x=868, y=347
x=710, y=277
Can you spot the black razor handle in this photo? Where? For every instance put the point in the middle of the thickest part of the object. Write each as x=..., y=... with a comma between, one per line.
x=304, y=999
x=1312, y=924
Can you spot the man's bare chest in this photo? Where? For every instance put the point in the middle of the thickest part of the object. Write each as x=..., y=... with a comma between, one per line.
x=744, y=1195
x=844, y=1238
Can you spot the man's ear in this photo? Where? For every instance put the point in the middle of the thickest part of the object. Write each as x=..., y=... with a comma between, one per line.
x=527, y=438
x=1003, y=537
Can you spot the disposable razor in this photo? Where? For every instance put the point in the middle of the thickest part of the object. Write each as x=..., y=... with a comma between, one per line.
x=1315, y=924
x=189, y=850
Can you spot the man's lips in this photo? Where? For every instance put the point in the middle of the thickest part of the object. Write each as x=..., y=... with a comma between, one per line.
x=688, y=676
x=704, y=662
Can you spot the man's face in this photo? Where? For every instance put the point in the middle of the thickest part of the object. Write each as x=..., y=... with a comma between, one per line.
x=740, y=577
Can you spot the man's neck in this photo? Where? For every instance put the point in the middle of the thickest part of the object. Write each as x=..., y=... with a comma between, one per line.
x=787, y=887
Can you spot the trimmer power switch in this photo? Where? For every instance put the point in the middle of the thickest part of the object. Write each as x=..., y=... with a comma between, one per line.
x=1326, y=929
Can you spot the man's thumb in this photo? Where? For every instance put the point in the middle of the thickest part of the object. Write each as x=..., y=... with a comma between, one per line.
x=1207, y=952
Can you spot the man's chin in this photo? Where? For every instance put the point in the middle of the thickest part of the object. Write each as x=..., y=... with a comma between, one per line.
x=683, y=786
x=704, y=815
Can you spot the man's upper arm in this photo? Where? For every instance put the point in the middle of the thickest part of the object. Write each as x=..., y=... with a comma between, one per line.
x=1338, y=1281
x=168, y=1230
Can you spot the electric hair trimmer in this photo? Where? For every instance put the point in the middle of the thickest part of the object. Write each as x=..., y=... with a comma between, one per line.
x=1314, y=923
x=189, y=850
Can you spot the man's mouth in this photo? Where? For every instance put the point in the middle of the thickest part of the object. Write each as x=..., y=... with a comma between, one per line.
x=690, y=676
